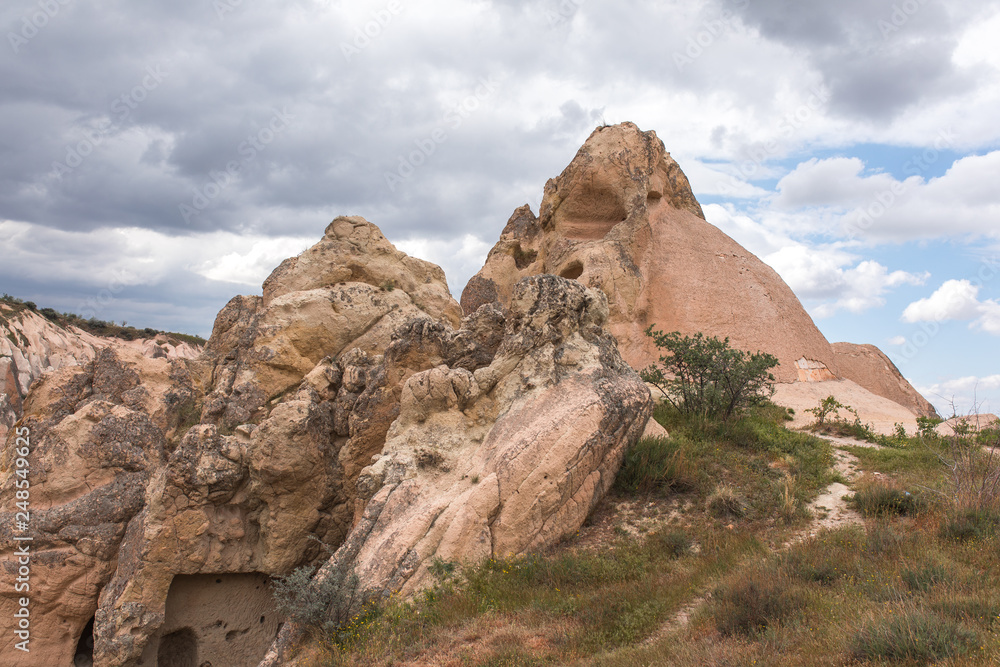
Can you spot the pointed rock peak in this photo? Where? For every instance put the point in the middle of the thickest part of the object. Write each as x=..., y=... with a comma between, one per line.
x=617, y=175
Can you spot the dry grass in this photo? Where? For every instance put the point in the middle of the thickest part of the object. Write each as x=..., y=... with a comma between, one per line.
x=917, y=583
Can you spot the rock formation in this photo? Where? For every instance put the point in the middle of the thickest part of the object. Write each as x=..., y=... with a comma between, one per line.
x=622, y=217
x=348, y=408
x=498, y=459
x=868, y=366
x=31, y=345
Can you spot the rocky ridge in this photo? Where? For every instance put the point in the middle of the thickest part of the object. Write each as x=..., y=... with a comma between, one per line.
x=31, y=345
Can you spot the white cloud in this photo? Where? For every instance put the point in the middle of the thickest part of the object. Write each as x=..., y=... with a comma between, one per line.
x=836, y=182
x=252, y=266
x=956, y=300
x=826, y=275
x=989, y=320
x=897, y=340
x=967, y=393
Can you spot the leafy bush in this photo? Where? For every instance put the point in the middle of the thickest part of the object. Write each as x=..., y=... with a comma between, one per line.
x=830, y=407
x=674, y=543
x=922, y=579
x=725, y=503
x=915, y=635
x=970, y=524
x=827, y=559
x=703, y=375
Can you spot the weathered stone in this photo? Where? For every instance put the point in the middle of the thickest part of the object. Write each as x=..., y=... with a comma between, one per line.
x=622, y=218
x=494, y=460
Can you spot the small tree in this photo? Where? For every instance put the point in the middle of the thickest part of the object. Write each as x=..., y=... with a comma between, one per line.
x=703, y=375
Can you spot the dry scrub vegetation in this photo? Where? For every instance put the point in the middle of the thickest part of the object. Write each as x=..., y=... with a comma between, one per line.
x=684, y=564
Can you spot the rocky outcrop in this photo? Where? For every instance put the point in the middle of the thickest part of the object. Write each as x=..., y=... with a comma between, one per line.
x=622, y=218
x=498, y=459
x=350, y=290
x=153, y=477
x=96, y=433
x=31, y=345
x=866, y=365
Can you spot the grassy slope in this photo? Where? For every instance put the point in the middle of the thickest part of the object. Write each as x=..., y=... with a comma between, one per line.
x=912, y=585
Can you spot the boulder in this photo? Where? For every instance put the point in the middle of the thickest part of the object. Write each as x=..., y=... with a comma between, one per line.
x=350, y=290
x=867, y=366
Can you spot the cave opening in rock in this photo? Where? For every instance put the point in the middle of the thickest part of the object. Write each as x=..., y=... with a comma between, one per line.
x=224, y=618
x=573, y=271
x=84, y=656
x=178, y=649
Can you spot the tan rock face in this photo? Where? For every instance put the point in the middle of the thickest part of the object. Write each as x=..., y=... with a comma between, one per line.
x=622, y=217
x=352, y=289
x=499, y=458
x=95, y=440
x=31, y=345
x=869, y=367
x=152, y=476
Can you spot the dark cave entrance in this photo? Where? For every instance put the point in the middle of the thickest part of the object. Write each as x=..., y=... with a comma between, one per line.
x=85, y=646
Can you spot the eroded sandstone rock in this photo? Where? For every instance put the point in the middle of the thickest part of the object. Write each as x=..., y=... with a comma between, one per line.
x=31, y=345
x=622, y=217
x=350, y=290
x=348, y=378
x=498, y=459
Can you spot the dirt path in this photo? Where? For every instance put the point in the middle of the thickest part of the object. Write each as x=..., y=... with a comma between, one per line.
x=829, y=510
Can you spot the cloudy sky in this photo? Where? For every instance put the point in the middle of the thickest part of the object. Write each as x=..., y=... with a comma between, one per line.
x=157, y=158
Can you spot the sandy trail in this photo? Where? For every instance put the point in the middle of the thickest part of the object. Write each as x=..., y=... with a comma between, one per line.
x=829, y=510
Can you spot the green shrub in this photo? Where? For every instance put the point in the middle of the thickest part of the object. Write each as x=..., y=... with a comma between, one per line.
x=325, y=605
x=923, y=579
x=674, y=543
x=981, y=609
x=703, y=375
x=725, y=503
x=827, y=559
x=914, y=635
x=757, y=600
